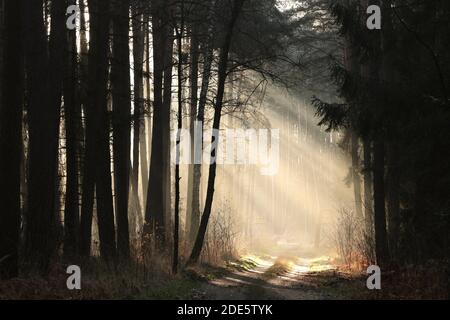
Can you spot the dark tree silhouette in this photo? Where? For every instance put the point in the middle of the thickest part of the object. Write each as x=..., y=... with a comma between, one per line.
x=98, y=121
x=120, y=81
x=222, y=75
x=44, y=90
x=10, y=140
x=72, y=116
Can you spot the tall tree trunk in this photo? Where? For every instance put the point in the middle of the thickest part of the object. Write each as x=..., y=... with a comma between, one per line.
x=177, y=155
x=97, y=120
x=88, y=156
x=367, y=153
x=145, y=150
x=154, y=213
x=222, y=74
x=198, y=150
x=141, y=26
x=84, y=54
x=352, y=66
x=84, y=239
x=139, y=125
x=11, y=139
x=355, y=175
x=72, y=112
x=158, y=194
x=45, y=85
x=2, y=43
x=381, y=244
x=194, y=54
x=120, y=80
x=83, y=82
x=393, y=198
x=88, y=186
x=368, y=189
x=389, y=76
x=167, y=103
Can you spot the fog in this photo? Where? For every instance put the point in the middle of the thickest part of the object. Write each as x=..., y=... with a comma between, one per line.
x=292, y=209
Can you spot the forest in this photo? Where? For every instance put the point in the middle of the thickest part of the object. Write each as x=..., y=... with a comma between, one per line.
x=224, y=149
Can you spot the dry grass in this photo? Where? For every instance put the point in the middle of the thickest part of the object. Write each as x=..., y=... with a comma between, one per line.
x=221, y=239
x=425, y=282
x=98, y=281
x=279, y=268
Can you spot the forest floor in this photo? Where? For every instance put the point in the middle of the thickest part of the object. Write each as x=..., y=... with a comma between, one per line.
x=286, y=276
x=318, y=277
x=281, y=278
x=252, y=277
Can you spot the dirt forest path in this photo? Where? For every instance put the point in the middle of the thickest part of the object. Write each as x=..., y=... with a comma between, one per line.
x=283, y=278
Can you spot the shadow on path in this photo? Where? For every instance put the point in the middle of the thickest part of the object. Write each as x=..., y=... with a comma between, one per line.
x=284, y=278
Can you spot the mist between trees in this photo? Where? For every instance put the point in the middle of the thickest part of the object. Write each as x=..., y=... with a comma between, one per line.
x=180, y=132
x=240, y=147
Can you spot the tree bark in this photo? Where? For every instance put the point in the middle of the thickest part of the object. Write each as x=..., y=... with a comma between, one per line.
x=355, y=175
x=45, y=86
x=222, y=74
x=393, y=198
x=368, y=189
x=88, y=156
x=72, y=112
x=97, y=121
x=177, y=155
x=154, y=215
x=194, y=55
x=353, y=68
x=389, y=75
x=156, y=206
x=198, y=151
x=84, y=236
x=120, y=80
x=2, y=43
x=167, y=103
x=381, y=244
x=146, y=150
x=138, y=126
x=11, y=139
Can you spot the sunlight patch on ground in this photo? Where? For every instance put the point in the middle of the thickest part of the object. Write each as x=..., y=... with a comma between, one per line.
x=300, y=269
x=297, y=265
x=323, y=263
x=251, y=268
x=318, y=264
x=322, y=267
x=267, y=261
